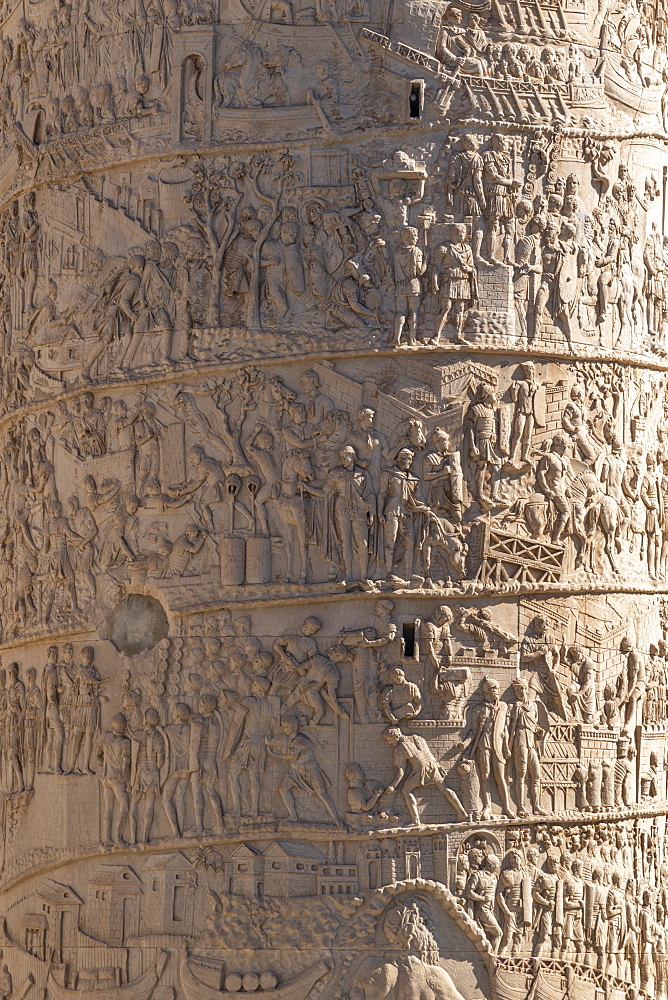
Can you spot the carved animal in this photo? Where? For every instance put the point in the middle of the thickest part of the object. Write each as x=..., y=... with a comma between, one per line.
x=442, y=539
x=602, y=515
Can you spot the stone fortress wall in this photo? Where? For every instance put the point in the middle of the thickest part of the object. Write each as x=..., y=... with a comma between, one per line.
x=334, y=469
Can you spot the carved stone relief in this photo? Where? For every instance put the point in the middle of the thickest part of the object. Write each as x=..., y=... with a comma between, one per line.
x=334, y=478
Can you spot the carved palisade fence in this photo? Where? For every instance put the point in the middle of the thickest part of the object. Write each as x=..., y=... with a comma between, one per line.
x=334, y=477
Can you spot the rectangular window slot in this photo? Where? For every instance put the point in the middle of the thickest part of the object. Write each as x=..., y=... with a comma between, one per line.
x=416, y=99
x=408, y=633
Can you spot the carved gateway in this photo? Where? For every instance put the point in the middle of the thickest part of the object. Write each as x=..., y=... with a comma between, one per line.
x=334, y=479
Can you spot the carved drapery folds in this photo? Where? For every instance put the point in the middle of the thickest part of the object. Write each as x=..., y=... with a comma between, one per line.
x=334, y=477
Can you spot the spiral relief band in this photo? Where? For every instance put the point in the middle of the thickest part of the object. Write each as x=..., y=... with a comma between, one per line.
x=334, y=478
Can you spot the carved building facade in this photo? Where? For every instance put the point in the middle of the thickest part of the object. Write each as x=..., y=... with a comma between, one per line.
x=334, y=477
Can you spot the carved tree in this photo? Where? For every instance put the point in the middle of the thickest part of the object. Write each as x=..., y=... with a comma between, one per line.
x=214, y=199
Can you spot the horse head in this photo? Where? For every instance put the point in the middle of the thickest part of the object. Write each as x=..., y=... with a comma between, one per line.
x=297, y=468
x=243, y=54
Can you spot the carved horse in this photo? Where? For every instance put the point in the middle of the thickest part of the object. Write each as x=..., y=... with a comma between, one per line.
x=602, y=514
x=441, y=537
x=296, y=473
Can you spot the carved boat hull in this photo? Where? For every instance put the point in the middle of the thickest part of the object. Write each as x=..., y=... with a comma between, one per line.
x=138, y=989
x=645, y=100
x=296, y=989
x=265, y=120
x=543, y=987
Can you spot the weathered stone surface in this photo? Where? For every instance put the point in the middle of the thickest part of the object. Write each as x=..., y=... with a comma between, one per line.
x=334, y=469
